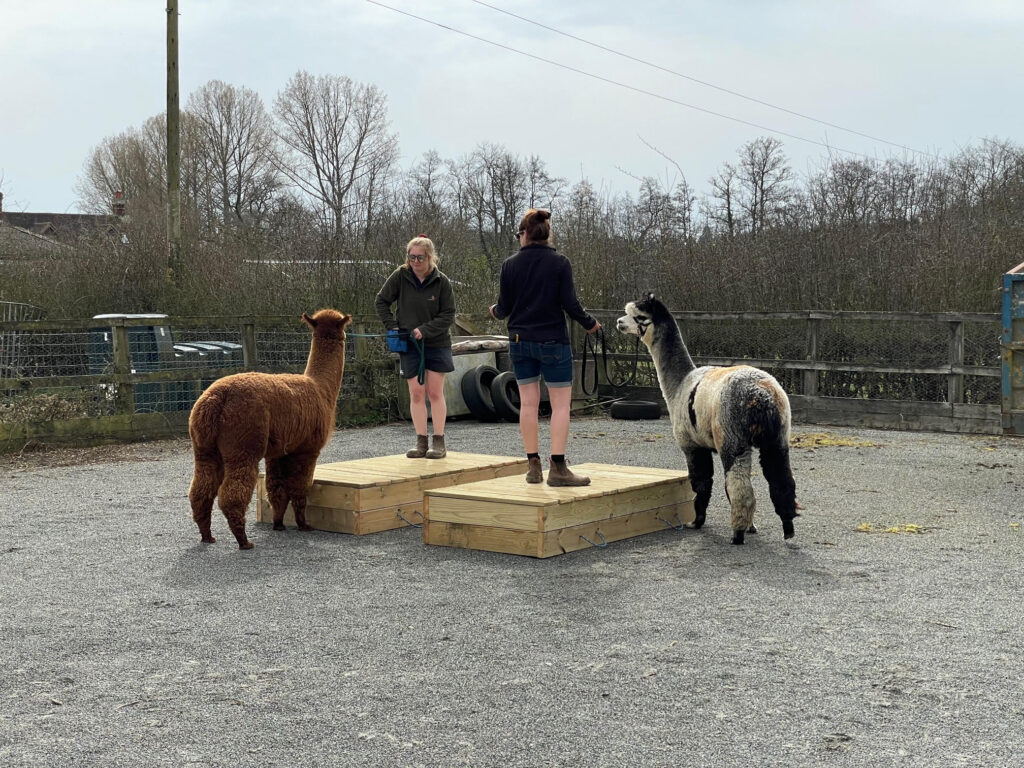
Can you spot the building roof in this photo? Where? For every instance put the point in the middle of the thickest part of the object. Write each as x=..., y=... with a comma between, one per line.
x=17, y=243
x=61, y=226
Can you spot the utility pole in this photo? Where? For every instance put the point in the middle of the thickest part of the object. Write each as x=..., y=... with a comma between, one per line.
x=173, y=146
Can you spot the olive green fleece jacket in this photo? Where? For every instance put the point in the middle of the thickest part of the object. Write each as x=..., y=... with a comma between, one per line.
x=429, y=306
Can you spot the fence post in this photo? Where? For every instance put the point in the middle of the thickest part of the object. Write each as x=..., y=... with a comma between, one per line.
x=125, y=401
x=955, y=381
x=249, y=355
x=360, y=333
x=810, y=388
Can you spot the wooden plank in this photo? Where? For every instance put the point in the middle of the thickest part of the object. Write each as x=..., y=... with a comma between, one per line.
x=505, y=540
x=388, y=518
x=532, y=543
x=614, y=506
x=509, y=488
x=492, y=512
x=330, y=518
x=366, y=495
x=614, y=529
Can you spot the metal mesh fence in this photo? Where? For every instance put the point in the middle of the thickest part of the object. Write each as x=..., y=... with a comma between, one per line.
x=12, y=342
x=896, y=343
x=51, y=353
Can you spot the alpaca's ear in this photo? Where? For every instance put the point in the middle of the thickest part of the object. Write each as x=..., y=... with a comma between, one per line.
x=308, y=320
x=345, y=320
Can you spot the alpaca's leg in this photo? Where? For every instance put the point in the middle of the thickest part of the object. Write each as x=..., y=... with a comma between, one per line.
x=740, y=491
x=206, y=479
x=234, y=496
x=300, y=478
x=277, y=489
x=776, y=469
x=702, y=476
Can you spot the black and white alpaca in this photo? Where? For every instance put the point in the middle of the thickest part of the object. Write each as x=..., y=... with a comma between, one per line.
x=731, y=410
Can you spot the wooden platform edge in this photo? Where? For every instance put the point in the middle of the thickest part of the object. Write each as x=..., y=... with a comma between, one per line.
x=549, y=543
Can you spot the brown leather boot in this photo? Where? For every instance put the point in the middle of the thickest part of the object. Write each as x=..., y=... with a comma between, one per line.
x=534, y=474
x=437, y=450
x=560, y=475
x=420, y=450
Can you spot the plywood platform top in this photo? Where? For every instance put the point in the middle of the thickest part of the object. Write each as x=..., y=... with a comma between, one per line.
x=384, y=470
x=605, y=480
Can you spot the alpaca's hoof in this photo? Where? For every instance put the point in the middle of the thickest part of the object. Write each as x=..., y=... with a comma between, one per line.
x=698, y=522
x=789, y=535
x=737, y=537
x=209, y=540
x=751, y=529
x=787, y=529
x=305, y=527
x=278, y=526
x=245, y=545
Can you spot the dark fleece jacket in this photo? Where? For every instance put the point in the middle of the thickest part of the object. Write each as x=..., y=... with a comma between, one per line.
x=536, y=294
x=429, y=306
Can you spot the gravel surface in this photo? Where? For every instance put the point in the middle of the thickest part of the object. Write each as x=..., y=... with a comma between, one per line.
x=127, y=643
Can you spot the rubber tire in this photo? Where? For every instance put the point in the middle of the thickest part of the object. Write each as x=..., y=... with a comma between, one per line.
x=505, y=396
x=636, y=409
x=476, y=392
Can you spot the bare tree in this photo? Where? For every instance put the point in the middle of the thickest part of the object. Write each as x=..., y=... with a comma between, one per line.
x=132, y=163
x=338, y=148
x=234, y=145
x=722, y=206
x=765, y=180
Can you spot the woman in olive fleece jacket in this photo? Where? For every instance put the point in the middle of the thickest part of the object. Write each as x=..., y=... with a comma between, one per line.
x=426, y=309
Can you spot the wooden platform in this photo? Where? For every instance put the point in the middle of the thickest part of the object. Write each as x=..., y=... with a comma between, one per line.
x=378, y=494
x=509, y=515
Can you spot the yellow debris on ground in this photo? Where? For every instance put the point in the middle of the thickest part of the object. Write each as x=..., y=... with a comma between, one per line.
x=827, y=440
x=904, y=528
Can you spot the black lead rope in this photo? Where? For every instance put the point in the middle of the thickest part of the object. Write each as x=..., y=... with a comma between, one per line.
x=591, y=344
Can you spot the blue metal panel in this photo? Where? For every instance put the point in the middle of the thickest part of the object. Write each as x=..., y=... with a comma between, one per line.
x=1012, y=407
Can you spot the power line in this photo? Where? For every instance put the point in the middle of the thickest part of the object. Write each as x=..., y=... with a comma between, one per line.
x=617, y=83
x=701, y=82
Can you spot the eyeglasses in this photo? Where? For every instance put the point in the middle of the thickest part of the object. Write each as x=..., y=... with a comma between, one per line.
x=417, y=257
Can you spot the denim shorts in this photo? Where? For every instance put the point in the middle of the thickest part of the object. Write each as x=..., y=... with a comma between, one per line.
x=437, y=359
x=553, y=359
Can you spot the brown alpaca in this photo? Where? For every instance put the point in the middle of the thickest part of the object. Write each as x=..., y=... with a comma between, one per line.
x=286, y=418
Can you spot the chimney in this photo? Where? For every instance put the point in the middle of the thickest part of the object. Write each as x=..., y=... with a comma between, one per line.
x=118, y=206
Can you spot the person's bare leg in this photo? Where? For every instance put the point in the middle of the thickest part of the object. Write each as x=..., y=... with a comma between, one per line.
x=418, y=411
x=559, y=474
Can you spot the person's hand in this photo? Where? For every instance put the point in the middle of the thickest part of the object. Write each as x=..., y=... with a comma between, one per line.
x=596, y=328
x=416, y=333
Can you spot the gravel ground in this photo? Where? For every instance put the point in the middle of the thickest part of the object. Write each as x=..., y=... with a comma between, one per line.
x=127, y=643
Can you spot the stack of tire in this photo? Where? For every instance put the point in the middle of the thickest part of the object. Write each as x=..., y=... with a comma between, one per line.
x=490, y=394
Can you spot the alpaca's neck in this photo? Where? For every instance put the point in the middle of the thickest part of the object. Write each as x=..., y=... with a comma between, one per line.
x=326, y=364
x=671, y=358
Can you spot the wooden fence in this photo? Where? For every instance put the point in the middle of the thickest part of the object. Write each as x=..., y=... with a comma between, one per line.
x=90, y=381
x=938, y=371
x=918, y=371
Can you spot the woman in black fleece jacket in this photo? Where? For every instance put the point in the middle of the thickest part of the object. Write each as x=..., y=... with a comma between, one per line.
x=536, y=293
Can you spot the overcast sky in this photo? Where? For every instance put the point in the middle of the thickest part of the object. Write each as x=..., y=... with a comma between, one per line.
x=925, y=74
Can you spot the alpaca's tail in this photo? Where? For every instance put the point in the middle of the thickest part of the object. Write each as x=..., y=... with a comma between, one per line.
x=767, y=423
x=205, y=419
